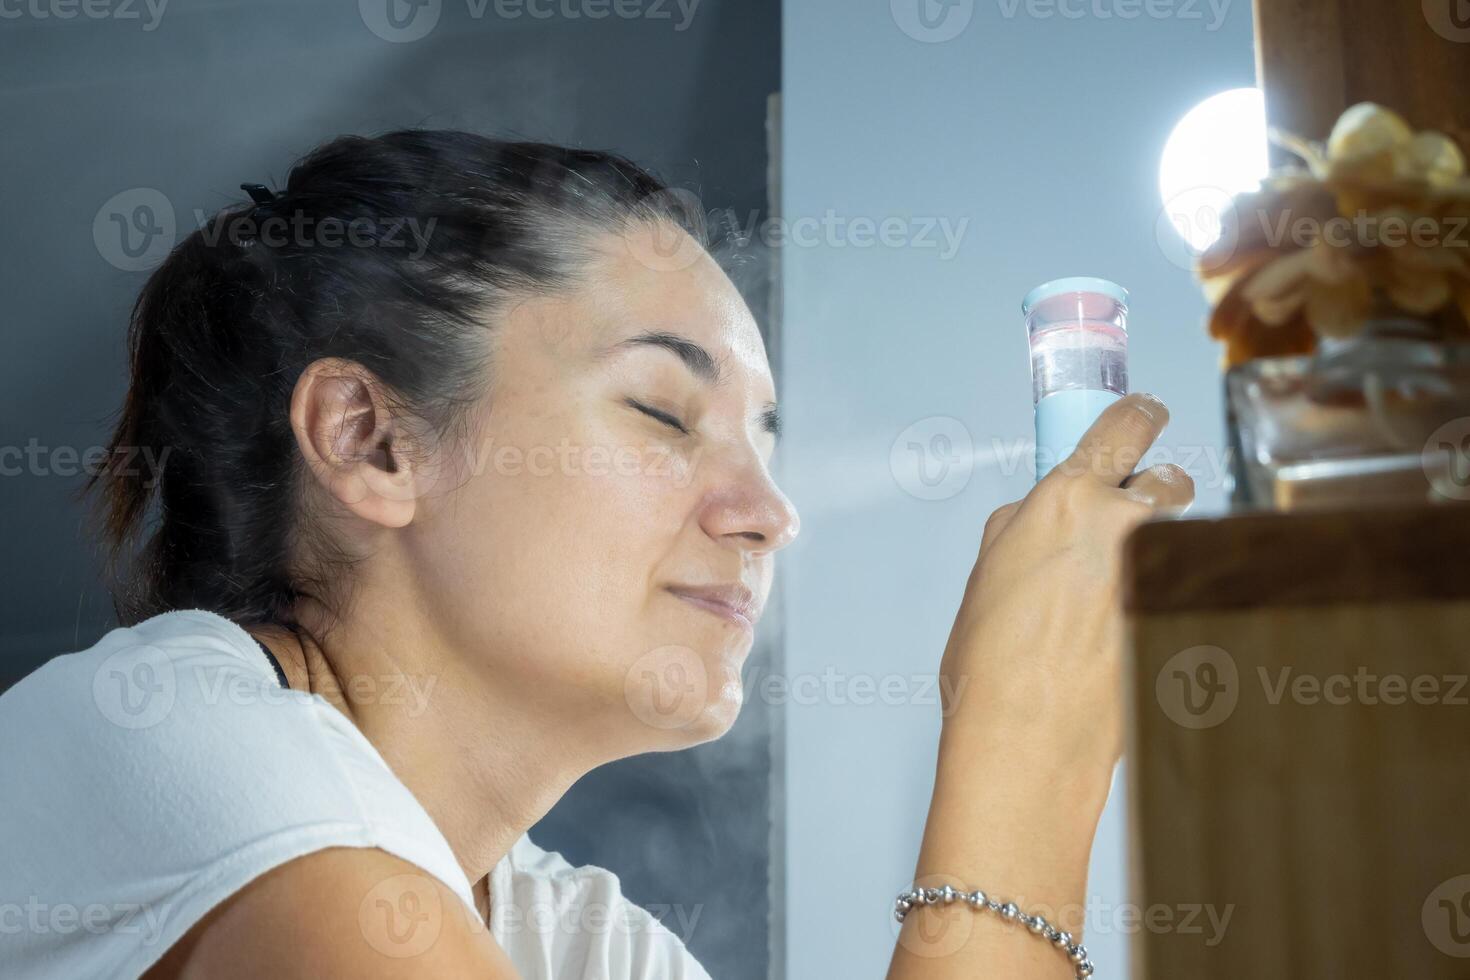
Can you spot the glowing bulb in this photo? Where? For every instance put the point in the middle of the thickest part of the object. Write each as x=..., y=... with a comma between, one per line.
x=1216, y=151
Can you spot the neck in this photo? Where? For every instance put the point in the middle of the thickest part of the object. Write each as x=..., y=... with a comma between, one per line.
x=484, y=783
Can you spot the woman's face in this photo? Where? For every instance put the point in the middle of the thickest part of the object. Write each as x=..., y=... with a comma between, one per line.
x=608, y=545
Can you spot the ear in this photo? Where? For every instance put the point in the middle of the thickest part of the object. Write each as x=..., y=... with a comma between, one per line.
x=352, y=444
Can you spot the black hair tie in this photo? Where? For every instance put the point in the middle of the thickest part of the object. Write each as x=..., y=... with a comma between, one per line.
x=259, y=193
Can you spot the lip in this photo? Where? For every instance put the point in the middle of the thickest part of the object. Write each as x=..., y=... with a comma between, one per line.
x=734, y=603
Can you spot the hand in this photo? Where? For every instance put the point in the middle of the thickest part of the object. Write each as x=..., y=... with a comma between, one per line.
x=1035, y=650
x=1033, y=704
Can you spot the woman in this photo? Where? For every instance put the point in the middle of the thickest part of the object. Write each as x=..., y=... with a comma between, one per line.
x=450, y=513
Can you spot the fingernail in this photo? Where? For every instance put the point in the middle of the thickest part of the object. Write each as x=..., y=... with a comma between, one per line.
x=1153, y=405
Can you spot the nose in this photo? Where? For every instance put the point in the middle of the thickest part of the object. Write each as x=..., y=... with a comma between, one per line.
x=747, y=510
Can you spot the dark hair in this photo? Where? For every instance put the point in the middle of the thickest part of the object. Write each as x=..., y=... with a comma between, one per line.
x=433, y=231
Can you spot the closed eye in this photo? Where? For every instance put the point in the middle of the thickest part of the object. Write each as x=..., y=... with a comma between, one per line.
x=661, y=416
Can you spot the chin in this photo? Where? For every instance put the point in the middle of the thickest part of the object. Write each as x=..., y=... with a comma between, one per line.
x=679, y=698
x=716, y=720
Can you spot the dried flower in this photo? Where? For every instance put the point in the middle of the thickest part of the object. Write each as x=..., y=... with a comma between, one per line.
x=1378, y=223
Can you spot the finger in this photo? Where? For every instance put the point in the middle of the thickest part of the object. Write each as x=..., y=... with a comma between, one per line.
x=1112, y=447
x=997, y=523
x=1164, y=487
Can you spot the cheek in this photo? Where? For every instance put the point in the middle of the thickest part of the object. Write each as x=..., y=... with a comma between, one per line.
x=550, y=550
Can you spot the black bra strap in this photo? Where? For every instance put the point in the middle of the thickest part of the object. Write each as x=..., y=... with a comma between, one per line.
x=280, y=674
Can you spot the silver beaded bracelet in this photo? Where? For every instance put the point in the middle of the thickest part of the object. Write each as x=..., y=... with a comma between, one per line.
x=981, y=902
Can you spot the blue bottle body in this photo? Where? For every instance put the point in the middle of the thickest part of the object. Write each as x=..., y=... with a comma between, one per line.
x=1079, y=360
x=1061, y=420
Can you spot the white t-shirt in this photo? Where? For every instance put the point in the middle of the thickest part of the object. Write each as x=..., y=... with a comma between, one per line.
x=148, y=778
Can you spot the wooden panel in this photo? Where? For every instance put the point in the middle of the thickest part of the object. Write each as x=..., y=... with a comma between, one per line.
x=1304, y=558
x=1299, y=773
x=1322, y=830
x=1314, y=58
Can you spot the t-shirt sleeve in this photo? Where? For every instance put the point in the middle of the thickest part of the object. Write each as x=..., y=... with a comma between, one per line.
x=151, y=777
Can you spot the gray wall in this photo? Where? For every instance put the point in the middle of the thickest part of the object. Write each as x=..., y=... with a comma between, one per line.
x=1044, y=130
x=218, y=92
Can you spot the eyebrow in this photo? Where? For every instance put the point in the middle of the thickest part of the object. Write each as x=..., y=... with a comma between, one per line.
x=699, y=362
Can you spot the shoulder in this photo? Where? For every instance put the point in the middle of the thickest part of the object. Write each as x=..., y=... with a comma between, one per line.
x=550, y=915
x=338, y=912
x=165, y=769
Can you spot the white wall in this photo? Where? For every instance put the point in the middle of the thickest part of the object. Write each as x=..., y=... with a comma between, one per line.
x=1044, y=131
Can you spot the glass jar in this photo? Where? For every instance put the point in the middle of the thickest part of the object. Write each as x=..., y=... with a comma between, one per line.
x=1382, y=417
